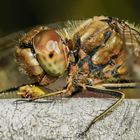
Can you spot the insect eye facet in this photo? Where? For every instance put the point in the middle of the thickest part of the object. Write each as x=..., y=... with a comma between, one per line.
x=51, y=52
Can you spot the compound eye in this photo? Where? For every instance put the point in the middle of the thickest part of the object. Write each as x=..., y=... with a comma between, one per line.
x=51, y=52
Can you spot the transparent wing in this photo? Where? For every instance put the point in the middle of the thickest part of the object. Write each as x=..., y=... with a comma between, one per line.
x=9, y=70
x=132, y=42
x=132, y=39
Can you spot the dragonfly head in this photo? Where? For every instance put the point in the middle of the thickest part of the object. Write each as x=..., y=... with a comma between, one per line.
x=42, y=50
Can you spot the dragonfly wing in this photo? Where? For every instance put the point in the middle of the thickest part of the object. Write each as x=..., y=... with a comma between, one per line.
x=9, y=70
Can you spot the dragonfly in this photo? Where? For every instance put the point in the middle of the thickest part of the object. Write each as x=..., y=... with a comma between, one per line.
x=98, y=53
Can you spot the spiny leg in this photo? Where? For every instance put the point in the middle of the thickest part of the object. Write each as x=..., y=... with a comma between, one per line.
x=120, y=85
x=105, y=112
x=48, y=95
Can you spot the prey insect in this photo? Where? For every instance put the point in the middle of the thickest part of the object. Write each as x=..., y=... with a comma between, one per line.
x=90, y=52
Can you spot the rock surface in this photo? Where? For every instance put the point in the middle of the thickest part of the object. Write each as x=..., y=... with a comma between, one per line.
x=66, y=118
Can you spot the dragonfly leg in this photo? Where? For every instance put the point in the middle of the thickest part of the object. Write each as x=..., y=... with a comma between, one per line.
x=105, y=112
x=120, y=85
x=33, y=92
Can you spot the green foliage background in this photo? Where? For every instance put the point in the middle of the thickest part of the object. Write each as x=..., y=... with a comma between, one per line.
x=19, y=14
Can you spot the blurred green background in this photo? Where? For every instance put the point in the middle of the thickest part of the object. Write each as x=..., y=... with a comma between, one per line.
x=19, y=14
